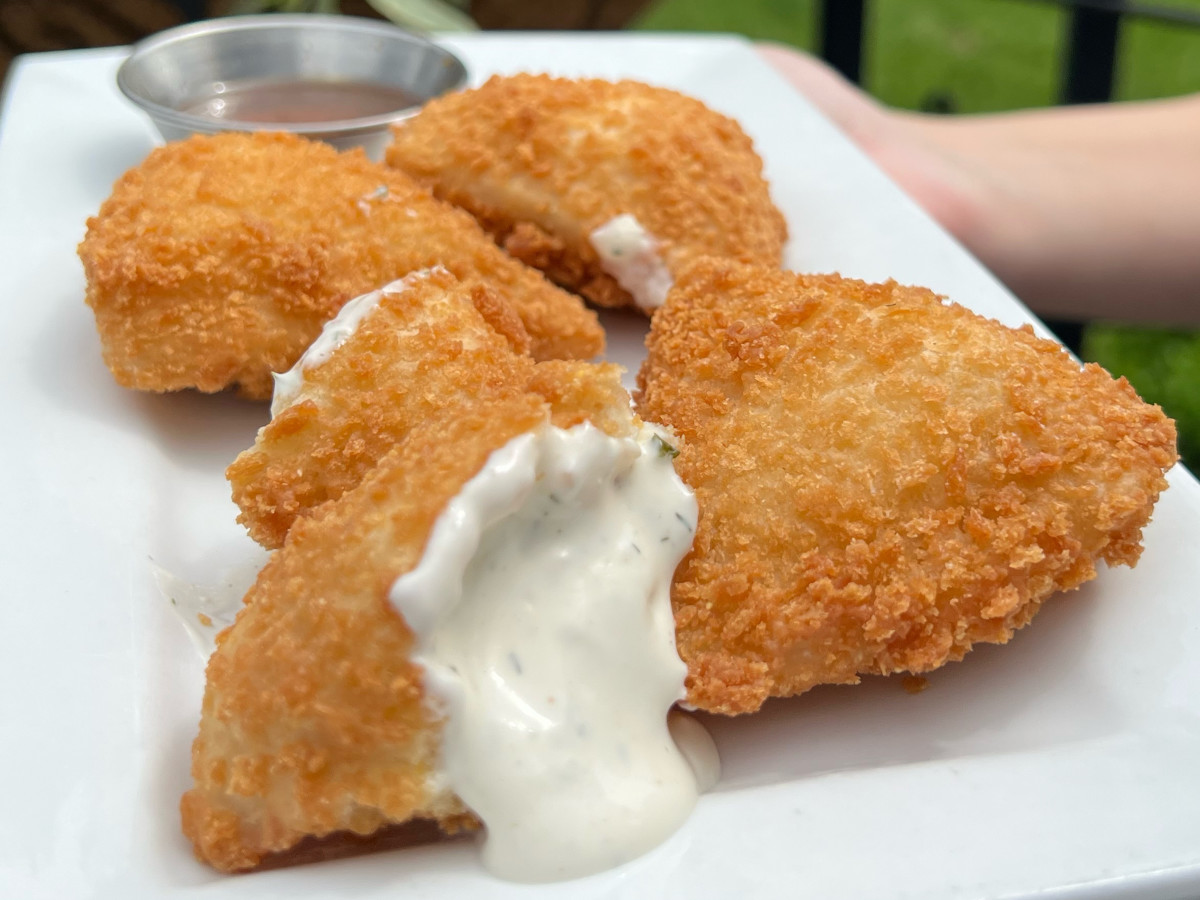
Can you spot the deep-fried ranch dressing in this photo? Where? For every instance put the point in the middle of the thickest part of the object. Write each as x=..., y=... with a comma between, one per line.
x=289, y=385
x=543, y=621
x=629, y=253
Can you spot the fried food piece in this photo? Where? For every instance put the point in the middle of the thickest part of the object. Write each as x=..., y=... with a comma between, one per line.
x=581, y=392
x=544, y=162
x=430, y=343
x=217, y=260
x=314, y=721
x=884, y=479
x=425, y=347
x=341, y=740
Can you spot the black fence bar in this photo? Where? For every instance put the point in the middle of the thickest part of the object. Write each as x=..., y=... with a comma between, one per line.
x=842, y=36
x=1092, y=54
x=1093, y=40
x=192, y=10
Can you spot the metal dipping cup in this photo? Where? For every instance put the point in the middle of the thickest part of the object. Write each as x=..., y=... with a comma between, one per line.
x=174, y=70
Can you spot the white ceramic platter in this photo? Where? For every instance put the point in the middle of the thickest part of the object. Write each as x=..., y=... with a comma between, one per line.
x=1064, y=765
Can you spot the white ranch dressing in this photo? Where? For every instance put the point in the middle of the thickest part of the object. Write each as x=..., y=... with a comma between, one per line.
x=543, y=621
x=629, y=254
x=289, y=385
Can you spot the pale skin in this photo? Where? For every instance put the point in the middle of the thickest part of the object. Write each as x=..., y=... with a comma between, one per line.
x=1086, y=212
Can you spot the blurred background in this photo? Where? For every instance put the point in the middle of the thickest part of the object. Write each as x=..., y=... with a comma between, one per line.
x=937, y=55
x=940, y=56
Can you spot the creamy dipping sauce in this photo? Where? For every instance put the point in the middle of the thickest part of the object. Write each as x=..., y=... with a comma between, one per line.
x=289, y=385
x=542, y=614
x=289, y=101
x=629, y=254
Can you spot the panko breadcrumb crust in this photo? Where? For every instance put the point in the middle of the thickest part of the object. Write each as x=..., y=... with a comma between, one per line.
x=541, y=162
x=427, y=348
x=216, y=261
x=314, y=720
x=884, y=479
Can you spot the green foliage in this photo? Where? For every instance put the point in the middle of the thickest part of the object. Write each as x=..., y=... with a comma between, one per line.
x=1158, y=59
x=1163, y=365
x=986, y=55
x=420, y=15
x=982, y=55
x=425, y=15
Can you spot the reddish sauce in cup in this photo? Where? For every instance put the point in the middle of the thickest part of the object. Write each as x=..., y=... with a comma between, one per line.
x=301, y=101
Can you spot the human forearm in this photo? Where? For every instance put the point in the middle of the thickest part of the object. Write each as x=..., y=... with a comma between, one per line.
x=1087, y=213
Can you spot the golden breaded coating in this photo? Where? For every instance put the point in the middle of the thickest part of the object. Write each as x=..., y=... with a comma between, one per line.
x=314, y=721
x=217, y=260
x=581, y=392
x=420, y=351
x=542, y=162
x=883, y=479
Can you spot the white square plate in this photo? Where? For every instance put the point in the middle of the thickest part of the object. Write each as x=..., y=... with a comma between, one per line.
x=1064, y=765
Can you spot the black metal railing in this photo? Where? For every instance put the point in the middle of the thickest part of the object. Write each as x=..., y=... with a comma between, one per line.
x=1093, y=40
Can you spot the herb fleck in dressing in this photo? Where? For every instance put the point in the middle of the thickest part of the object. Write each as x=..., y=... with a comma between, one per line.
x=543, y=621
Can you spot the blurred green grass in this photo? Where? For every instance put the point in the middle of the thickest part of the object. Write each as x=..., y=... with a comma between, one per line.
x=981, y=55
x=985, y=56
x=1164, y=366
